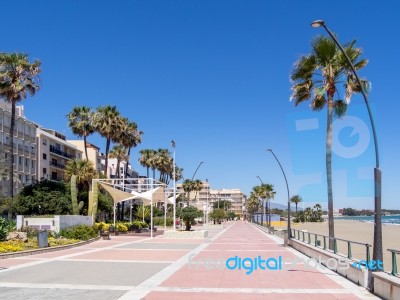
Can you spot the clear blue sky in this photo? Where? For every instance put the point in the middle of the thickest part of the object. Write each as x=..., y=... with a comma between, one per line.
x=214, y=76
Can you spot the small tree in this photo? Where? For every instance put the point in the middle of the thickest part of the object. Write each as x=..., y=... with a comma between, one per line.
x=217, y=215
x=189, y=214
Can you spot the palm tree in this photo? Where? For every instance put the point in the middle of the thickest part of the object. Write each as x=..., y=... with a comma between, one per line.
x=296, y=199
x=18, y=77
x=252, y=205
x=80, y=120
x=107, y=122
x=119, y=152
x=145, y=159
x=84, y=171
x=130, y=137
x=316, y=76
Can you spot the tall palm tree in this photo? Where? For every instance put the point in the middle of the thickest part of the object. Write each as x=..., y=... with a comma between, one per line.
x=80, y=120
x=296, y=199
x=107, y=122
x=130, y=137
x=145, y=160
x=164, y=164
x=189, y=186
x=252, y=205
x=18, y=77
x=119, y=152
x=316, y=76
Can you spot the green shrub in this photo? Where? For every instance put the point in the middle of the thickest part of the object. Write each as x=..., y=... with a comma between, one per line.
x=159, y=221
x=80, y=232
x=31, y=232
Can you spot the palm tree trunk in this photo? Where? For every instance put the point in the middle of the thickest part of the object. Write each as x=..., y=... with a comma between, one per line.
x=84, y=141
x=148, y=172
x=11, y=154
x=127, y=163
x=107, y=150
x=329, y=173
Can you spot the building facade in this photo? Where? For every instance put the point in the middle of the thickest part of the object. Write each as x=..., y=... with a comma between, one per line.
x=53, y=153
x=207, y=197
x=94, y=153
x=25, y=167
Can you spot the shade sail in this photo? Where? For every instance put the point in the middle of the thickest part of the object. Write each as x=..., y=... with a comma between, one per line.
x=121, y=196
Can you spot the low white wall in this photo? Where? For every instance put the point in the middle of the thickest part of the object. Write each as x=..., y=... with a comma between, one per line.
x=386, y=286
x=56, y=223
x=343, y=265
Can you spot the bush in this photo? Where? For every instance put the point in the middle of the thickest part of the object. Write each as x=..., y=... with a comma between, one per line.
x=11, y=247
x=80, y=232
x=159, y=221
x=102, y=226
x=121, y=227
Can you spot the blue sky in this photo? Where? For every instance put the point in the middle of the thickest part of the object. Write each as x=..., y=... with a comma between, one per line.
x=214, y=76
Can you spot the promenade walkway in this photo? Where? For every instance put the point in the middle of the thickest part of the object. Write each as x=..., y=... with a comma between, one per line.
x=127, y=267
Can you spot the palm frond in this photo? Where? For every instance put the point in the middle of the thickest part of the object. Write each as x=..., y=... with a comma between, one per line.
x=340, y=108
x=318, y=102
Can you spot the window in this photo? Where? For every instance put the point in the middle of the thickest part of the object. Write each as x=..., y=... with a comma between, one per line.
x=44, y=156
x=26, y=162
x=33, y=164
x=44, y=171
x=44, y=142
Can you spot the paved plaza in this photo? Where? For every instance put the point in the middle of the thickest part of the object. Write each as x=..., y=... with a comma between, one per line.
x=138, y=267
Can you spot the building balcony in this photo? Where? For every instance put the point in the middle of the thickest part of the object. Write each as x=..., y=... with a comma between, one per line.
x=60, y=152
x=57, y=165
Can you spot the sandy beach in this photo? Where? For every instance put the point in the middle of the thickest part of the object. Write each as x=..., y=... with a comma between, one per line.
x=362, y=232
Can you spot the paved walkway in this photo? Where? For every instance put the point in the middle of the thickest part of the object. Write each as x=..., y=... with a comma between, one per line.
x=127, y=267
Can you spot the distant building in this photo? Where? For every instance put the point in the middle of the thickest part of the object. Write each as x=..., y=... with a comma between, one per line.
x=24, y=148
x=112, y=169
x=211, y=196
x=53, y=153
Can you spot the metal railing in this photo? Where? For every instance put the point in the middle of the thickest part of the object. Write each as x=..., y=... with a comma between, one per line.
x=306, y=237
x=394, y=261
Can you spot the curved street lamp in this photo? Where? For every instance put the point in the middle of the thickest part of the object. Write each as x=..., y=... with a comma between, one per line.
x=288, y=194
x=202, y=162
x=377, y=249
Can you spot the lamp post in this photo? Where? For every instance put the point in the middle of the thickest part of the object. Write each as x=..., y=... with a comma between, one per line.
x=288, y=194
x=174, y=174
x=377, y=249
x=202, y=162
x=262, y=204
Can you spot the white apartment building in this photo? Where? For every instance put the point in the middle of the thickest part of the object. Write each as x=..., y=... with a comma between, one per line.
x=207, y=197
x=53, y=153
x=24, y=147
x=94, y=153
x=112, y=169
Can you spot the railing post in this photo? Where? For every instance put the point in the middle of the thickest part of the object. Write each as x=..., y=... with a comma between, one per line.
x=348, y=250
x=315, y=240
x=309, y=238
x=324, y=242
x=394, y=262
x=334, y=246
x=303, y=236
x=368, y=254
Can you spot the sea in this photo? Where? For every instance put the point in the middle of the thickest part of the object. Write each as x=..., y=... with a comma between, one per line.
x=393, y=219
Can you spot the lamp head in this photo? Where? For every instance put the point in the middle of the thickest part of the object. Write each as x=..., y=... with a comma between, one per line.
x=173, y=143
x=269, y=149
x=318, y=23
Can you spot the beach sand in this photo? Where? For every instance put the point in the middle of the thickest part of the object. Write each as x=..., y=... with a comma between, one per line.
x=358, y=231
